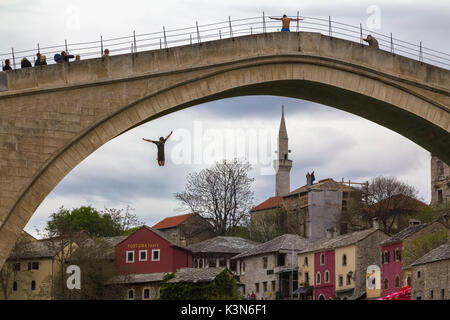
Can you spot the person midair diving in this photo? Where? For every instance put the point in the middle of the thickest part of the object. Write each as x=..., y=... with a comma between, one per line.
x=160, y=145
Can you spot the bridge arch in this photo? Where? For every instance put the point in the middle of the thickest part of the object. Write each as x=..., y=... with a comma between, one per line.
x=93, y=102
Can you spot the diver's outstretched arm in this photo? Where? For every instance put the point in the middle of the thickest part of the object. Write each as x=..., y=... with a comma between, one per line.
x=148, y=140
x=168, y=135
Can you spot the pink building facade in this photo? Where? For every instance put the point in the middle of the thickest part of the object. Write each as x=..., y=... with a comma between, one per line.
x=324, y=273
x=391, y=268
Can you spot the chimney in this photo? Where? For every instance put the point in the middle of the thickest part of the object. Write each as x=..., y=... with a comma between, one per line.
x=414, y=222
x=308, y=179
x=375, y=223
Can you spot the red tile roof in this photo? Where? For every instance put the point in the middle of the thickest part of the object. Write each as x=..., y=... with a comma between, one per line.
x=174, y=221
x=269, y=203
x=399, y=202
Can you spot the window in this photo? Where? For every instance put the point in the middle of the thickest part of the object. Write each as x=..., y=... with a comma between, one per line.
x=431, y=294
x=16, y=266
x=307, y=278
x=15, y=286
x=265, y=262
x=442, y=294
x=419, y=274
x=386, y=284
x=344, y=228
x=243, y=266
x=327, y=276
x=142, y=255
x=33, y=285
x=440, y=197
x=306, y=261
x=344, y=259
x=341, y=281
x=273, y=285
x=131, y=294
x=318, y=278
x=155, y=255
x=130, y=256
x=349, y=279
x=322, y=259
x=146, y=294
x=281, y=258
x=397, y=255
x=257, y=287
x=265, y=286
x=397, y=281
x=386, y=257
x=408, y=281
x=33, y=265
x=321, y=297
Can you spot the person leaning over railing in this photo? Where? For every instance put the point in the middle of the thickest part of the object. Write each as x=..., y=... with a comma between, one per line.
x=7, y=66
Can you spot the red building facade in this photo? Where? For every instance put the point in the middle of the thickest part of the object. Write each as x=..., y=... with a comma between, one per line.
x=391, y=268
x=149, y=251
x=324, y=273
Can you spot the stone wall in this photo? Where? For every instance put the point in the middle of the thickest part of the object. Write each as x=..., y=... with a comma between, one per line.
x=368, y=253
x=434, y=276
x=440, y=181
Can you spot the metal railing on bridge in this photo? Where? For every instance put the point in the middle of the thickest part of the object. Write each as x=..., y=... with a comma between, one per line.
x=228, y=29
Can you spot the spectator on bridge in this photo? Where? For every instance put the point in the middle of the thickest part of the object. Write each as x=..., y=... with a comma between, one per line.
x=25, y=63
x=58, y=58
x=43, y=60
x=372, y=41
x=38, y=60
x=285, y=22
x=66, y=57
x=106, y=53
x=77, y=58
x=7, y=66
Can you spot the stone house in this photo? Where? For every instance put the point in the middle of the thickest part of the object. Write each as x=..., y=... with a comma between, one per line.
x=335, y=268
x=34, y=269
x=218, y=251
x=395, y=264
x=138, y=286
x=431, y=275
x=185, y=229
x=270, y=269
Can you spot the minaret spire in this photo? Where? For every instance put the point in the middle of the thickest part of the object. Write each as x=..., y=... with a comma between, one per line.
x=283, y=165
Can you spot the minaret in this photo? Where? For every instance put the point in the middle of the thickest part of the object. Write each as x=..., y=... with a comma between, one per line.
x=283, y=165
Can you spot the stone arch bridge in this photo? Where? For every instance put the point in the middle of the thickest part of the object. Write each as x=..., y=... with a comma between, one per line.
x=53, y=117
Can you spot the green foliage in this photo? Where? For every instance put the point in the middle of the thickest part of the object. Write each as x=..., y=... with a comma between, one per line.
x=420, y=246
x=130, y=231
x=239, y=231
x=223, y=287
x=265, y=226
x=89, y=220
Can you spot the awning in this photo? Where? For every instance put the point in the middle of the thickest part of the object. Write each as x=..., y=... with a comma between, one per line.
x=403, y=294
x=303, y=290
x=346, y=292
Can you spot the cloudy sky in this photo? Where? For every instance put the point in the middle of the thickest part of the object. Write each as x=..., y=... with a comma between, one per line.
x=334, y=143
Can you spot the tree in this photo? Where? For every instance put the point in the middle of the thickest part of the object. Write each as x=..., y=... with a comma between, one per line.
x=95, y=259
x=108, y=223
x=222, y=194
x=223, y=287
x=387, y=199
x=269, y=225
x=417, y=248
